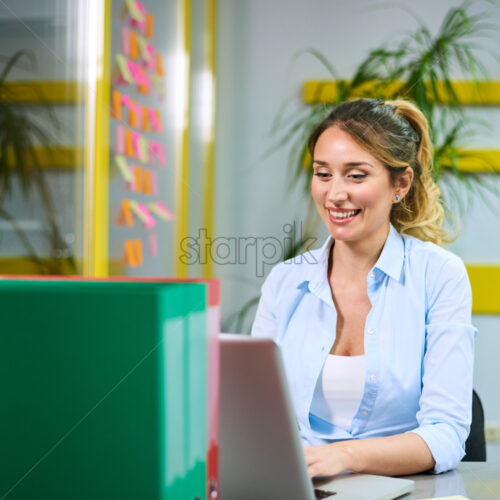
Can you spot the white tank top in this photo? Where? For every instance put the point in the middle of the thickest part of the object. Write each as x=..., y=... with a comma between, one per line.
x=339, y=390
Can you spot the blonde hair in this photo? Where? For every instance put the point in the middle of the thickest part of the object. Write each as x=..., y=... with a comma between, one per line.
x=397, y=134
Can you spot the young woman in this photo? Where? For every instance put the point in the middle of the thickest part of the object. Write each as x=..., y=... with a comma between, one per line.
x=375, y=327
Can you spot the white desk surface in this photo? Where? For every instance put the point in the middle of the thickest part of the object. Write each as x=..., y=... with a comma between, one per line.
x=474, y=480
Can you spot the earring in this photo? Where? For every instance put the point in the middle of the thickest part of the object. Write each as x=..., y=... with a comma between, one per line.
x=397, y=198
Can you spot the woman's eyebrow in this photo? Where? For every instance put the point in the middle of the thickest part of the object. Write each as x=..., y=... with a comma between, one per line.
x=358, y=163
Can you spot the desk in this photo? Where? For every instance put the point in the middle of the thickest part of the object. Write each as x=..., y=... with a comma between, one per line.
x=474, y=480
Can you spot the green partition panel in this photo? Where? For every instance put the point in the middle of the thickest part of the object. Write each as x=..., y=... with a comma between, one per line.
x=103, y=390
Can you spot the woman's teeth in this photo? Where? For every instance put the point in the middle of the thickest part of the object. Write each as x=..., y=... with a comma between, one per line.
x=342, y=215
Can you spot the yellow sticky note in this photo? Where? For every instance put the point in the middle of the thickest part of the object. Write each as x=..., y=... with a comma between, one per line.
x=122, y=165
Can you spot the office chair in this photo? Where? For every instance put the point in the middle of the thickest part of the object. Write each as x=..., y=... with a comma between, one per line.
x=475, y=446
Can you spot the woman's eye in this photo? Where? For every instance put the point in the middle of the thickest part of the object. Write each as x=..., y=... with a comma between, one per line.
x=322, y=175
x=357, y=177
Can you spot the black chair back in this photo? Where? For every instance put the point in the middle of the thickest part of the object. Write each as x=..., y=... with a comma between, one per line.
x=475, y=446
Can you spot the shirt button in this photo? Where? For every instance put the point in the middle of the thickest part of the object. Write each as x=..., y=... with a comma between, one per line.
x=373, y=378
x=364, y=413
x=371, y=330
x=372, y=275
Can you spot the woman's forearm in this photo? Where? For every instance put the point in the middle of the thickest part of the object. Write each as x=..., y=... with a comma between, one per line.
x=396, y=455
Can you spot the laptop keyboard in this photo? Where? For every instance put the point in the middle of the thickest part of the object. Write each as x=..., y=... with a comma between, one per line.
x=323, y=493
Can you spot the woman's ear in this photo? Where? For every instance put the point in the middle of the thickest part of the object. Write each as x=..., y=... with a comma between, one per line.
x=403, y=183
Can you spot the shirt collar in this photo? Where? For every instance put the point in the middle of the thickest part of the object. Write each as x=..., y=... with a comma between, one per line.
x=389, y=262
x=391, y=259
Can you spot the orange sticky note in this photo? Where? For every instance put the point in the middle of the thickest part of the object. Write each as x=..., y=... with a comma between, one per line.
x=130, y=256
x=138, y=251
x=134, y=46
x=150, y=23
x=146, y=187
x=127, y=214
x=129, y=145
x=138, y=179
x=133, y=119
x=146, y=126
x=159, y=65
x=116, y=103
x=159, y=126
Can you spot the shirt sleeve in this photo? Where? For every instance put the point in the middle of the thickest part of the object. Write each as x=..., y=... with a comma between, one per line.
x=445, y=409
x=265, y=324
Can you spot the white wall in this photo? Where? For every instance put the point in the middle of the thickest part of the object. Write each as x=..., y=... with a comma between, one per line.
x=258, y=40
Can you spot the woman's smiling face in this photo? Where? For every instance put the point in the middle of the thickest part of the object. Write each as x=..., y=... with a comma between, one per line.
x=352, y=190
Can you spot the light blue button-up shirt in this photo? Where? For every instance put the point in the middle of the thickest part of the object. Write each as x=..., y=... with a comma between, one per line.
x=418, y=340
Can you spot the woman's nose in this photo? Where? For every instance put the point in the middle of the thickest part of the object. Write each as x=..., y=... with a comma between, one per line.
x=337, y=192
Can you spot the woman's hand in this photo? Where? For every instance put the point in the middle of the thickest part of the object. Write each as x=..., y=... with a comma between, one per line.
x=327, y=459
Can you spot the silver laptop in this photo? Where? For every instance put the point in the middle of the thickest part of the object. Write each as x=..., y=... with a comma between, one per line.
x=261, y=454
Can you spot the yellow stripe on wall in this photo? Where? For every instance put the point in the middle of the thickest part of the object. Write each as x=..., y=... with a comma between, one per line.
x=485, y=283
x=485, y=93
x=183, y=142
x=209, y=160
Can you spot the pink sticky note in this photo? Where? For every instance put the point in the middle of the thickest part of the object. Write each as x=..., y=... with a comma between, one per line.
x=165, y=210
x=153, y=176
x=140, y=24
x=131, y=187
x=154, y=122
x=126, y=40
x=120, y=140
x=153, y=244
x=160, y=154
x=150, y=221
x=126, y=100
x=151, y=51
x=136, y=138
x=138, y=74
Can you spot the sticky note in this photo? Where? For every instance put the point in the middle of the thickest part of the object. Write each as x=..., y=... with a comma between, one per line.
x=127, y=213
x=150, y=222
x=129, y=146
x=158, y=150
x=126, y=100
x=146, y=126
x=116, y=105
x=150, y=61
x=138, y=179
x=142, y=42
x=138, y=251
x=134, y=207
x=139, y=23
x=133, y=119
x=150, y=22
x=126, y=40
x=144, y=150
x=129, y=256
x=134, y=47
x=120, y=140
x=123, y=67
x=161, y=211
x=146, y=184
x=153, y=244
x=159, y=65
x=158, y=125
x=154, y=182
x=122, y=165
x=134, y=11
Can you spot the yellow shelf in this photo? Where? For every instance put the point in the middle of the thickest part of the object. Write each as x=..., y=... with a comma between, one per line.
x=42, y=92
x=64, y=157
x=485, y=282
x=486, y=93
